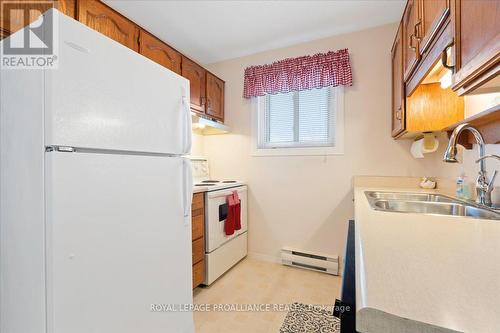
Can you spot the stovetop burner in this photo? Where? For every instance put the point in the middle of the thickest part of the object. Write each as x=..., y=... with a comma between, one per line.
x=229, y=181
x=210, y=181
x=205, y=184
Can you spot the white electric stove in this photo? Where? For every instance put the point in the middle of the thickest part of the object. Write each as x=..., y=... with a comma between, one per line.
x=221, y=251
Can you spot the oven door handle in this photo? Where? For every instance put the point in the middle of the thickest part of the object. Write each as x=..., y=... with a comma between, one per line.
x=218, y=194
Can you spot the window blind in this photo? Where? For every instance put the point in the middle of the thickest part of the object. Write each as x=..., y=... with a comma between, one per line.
x=299, y=119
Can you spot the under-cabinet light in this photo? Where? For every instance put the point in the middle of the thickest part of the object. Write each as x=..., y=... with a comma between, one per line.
x=445, y=80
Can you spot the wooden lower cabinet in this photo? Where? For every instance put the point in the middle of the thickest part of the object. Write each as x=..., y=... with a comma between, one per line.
x=198, y=273
x=198, y=250
x=198, y=226
x=198, y=205
x=198, y=237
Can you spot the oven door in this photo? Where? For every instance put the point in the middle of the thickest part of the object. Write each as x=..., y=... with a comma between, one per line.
x=216, y=213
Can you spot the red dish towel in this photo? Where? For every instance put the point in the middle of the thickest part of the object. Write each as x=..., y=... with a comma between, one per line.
x=229, y=225
x=237, y=211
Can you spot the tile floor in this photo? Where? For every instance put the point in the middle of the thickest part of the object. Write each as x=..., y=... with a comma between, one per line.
x=258, y=282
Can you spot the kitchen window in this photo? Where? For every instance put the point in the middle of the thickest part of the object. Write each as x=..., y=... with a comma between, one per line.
x=306, y=122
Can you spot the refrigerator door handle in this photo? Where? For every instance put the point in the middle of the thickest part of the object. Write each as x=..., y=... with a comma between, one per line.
x=187, y=124
x=187, y=186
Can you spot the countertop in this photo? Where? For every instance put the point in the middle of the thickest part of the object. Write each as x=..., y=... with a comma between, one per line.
x=198, y=189
x=217, y=187
x=425, y=273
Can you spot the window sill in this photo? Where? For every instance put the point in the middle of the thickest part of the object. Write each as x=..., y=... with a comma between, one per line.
x=306, y=151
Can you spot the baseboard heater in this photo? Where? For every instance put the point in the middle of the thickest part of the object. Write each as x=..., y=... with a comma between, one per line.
x=313, y=261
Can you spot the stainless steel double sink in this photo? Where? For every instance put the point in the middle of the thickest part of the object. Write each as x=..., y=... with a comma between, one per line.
x=427, y=203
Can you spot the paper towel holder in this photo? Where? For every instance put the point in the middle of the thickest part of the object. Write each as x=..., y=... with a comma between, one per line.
x=424, y=144
x=429, y=140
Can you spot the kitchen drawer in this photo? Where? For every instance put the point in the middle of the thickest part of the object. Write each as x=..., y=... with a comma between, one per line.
x=198, y=225
x=198, y=203
x=198, y=250
x=198, y=273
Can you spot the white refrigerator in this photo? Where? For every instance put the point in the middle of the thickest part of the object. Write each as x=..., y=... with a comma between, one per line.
x=95, y=198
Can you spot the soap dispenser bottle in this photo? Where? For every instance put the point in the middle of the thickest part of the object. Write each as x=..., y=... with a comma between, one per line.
x=463, y=188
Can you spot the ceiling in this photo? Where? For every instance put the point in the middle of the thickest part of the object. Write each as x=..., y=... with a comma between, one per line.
x=211, y=31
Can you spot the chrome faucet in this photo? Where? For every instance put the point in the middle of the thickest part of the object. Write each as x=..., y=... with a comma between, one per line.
x=483, y=185
x=488, y=156
x=492, y=181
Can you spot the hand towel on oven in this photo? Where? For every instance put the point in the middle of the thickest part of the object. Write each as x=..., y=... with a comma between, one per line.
x=237, y=211
x=229, y=225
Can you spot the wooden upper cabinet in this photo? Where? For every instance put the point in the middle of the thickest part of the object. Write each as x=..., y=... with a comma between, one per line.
x=196, y=76
x=4, y=33
x=215, y=97
x=101, y=18
x=156, y=50
x=411, y=23
x=434, y=14
x=67, y=7
x=398, y=112
x=477, y=36
x=15, y=20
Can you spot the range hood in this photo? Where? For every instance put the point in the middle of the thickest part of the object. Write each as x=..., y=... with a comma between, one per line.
x=205, y=126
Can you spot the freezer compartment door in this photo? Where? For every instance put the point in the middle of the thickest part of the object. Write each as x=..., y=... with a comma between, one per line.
x=117, y=243
x=106, y=96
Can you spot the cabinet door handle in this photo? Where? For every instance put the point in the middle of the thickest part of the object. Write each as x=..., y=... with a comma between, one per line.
x=444, y=58
x=398, y=114
x=415, y=31
x=203, y=100
x=410, y=46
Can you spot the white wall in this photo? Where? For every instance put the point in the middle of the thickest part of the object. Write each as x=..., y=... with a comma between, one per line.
x=198, y=147
x=306, y=201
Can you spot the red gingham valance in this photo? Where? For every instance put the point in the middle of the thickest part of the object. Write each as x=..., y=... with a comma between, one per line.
x=295, y=74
